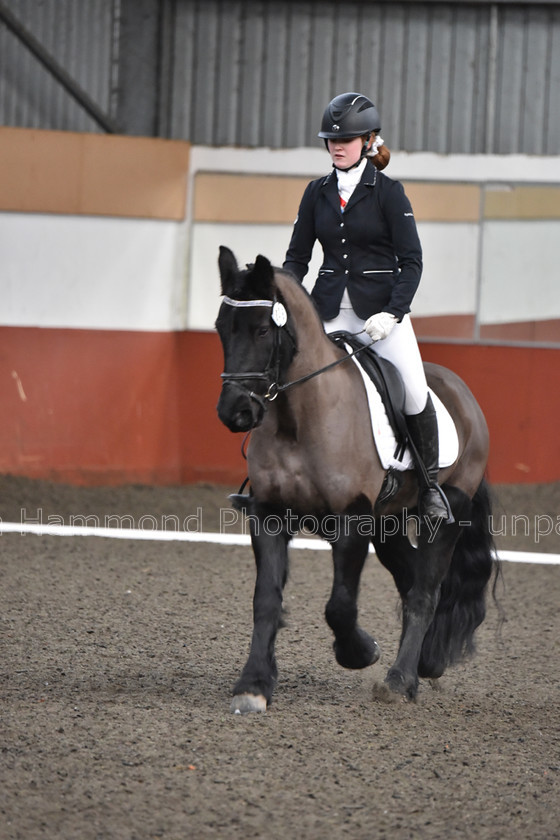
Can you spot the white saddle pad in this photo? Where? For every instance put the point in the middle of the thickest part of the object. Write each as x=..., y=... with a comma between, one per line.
x=385, y=439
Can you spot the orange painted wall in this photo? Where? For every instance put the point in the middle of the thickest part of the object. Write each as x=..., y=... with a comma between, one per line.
x=517, y=388
x=89, y=406
x=106, y=407
x=207, y=450
x=95, y=406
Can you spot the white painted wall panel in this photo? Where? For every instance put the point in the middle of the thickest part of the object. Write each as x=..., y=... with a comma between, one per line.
x=519, y=279
x=133, y=274
x=417, y=166
x=449, y=279
x=448, y=285
x=96, y=273
x=246, y=242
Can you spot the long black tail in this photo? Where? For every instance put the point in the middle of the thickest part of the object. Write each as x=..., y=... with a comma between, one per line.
x=462, y=604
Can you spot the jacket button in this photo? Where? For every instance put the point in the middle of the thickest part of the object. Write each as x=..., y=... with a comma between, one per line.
x=343, y=241
x=345, y=256
x=342, y=224
x=346, y=272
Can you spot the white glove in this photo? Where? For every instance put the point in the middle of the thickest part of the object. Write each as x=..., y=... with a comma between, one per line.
x=380, y=325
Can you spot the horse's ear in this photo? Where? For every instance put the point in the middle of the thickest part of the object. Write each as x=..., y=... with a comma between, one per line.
x=262, y=277
x=228, y=269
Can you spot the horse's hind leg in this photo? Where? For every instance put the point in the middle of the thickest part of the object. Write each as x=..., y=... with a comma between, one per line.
x=353, y=647
x=461, y=608
x=418, y=574
x=253, y=690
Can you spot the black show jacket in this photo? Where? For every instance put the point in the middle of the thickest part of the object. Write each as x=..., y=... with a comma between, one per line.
x=372, y=249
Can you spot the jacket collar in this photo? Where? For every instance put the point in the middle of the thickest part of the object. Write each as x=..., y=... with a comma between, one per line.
x=330, y=185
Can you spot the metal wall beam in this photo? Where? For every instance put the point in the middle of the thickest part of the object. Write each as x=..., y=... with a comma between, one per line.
x=140, y=66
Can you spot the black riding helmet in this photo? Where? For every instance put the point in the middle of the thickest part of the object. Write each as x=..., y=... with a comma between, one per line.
x=349, y=115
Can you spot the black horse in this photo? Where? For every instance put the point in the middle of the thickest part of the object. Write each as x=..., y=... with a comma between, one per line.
x=312, y=453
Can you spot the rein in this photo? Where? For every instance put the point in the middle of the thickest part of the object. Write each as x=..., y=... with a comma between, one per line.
x=279, y=318
x=278, y=389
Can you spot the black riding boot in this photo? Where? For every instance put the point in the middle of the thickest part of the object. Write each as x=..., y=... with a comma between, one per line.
x=423, y=431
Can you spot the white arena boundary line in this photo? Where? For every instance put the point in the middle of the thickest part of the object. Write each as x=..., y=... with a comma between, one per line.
x=529, y=557
x=43, y=529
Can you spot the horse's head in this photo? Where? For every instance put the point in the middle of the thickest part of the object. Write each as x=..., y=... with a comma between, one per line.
x=253, y=327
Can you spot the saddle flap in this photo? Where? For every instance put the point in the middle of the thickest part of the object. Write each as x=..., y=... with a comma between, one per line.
x=386, y=378
x=386, y=396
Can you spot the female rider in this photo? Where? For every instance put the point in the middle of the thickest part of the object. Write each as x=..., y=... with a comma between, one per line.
x=372, y=264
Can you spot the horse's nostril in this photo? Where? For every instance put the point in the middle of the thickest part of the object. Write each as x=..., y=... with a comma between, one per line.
x=238, y=410
x=237, y=418
x=243, y=421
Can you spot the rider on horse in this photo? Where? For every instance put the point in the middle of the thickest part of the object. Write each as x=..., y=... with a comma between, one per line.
x=372, y=264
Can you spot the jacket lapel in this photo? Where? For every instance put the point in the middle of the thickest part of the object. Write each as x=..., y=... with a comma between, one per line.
x=330, y=191
x=368, y=180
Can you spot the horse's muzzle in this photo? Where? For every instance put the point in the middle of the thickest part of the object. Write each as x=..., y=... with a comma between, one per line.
x=238, y=410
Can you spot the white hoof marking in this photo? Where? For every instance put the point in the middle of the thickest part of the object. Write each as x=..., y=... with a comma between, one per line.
x=243, y=704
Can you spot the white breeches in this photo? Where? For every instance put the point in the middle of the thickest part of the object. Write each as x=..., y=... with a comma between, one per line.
x=400, y=347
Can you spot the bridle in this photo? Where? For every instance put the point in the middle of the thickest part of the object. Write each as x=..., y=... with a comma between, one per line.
x=271, y=373
x=279, y=317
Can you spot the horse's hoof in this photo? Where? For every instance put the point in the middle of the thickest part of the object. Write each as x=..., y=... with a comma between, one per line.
x=362, y=652
x=396, y=682
x=375, y=653
x=243, y=704
x=382, y=693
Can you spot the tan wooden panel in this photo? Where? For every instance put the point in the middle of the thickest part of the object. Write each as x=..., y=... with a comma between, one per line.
x=225, y=197
x=92, y=174
x=221, y=197
x=437, y=202
x=523, y=202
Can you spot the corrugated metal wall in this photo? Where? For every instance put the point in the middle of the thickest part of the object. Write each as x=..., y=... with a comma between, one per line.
x=447, y=77
x=82, y=37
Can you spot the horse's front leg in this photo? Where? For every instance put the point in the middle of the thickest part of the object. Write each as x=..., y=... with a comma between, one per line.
x=353, y=647
x=253, y=690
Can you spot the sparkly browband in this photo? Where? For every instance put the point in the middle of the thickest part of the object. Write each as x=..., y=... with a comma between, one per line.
x=279, y=314
x=232, y=302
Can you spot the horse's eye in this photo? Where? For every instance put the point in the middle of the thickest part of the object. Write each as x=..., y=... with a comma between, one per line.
x=262, y=331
